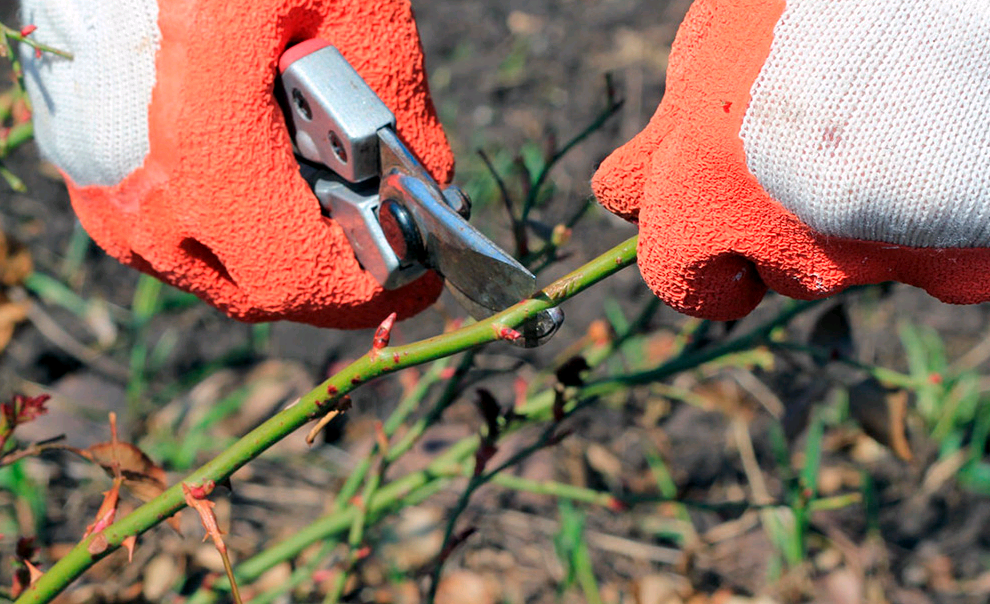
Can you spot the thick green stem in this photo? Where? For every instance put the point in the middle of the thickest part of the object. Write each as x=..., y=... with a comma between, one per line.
x=318, y=402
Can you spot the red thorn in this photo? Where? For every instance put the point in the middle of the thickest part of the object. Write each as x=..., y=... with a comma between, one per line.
x=383, y=333
x=935, y=378
x=37, y=53
x=201, y=491
x=128, y=543
x=726, y=106
x=332, y=390
x=447, y=373
x=396, y=358
x=504, y=332
x=27, y=30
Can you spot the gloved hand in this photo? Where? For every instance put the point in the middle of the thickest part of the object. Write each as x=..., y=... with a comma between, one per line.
x=177, y=157
x=811, y=145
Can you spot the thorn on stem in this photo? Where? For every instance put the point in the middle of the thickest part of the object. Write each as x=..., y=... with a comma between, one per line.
x=128, y=543
x=195, y=497
x=504, y=332
x=27, y=30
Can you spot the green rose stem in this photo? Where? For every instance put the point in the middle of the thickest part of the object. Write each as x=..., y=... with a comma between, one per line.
x=322, y=400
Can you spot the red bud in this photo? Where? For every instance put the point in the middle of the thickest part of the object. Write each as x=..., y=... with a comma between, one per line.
x=383, y=333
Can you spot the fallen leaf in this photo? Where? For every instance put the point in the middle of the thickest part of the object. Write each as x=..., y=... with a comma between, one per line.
x=882, y=413
x=141, y=475
x=15, y=261
x=11, y=313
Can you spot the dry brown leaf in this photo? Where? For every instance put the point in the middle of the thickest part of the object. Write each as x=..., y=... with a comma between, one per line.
x=15, y=261
x=11, y=313
x=141, y=476
x=16, y=265
x=882, y=413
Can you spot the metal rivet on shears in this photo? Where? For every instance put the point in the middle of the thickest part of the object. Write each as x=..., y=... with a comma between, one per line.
x=301, y=104
x=337, y=146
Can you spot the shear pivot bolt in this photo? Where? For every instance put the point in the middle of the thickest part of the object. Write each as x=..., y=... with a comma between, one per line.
x=401, y=232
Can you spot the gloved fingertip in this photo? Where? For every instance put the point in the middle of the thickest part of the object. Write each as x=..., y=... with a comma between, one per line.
x=707, y=284
x=619, y=182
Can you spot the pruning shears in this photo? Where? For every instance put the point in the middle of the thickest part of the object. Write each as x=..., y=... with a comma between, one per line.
x=399, y=221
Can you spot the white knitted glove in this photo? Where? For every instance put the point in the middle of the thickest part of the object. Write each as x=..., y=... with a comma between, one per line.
x=811, y=145
x=91, y=113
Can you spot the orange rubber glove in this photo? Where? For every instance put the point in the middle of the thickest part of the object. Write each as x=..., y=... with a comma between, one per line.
x=811, y=145
x=178, y=160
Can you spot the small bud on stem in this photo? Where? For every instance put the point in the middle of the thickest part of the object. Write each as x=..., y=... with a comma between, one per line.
x=382, y=335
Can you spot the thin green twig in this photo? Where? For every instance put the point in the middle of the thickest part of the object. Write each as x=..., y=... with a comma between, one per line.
x=612, y=107
x=13, y=34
